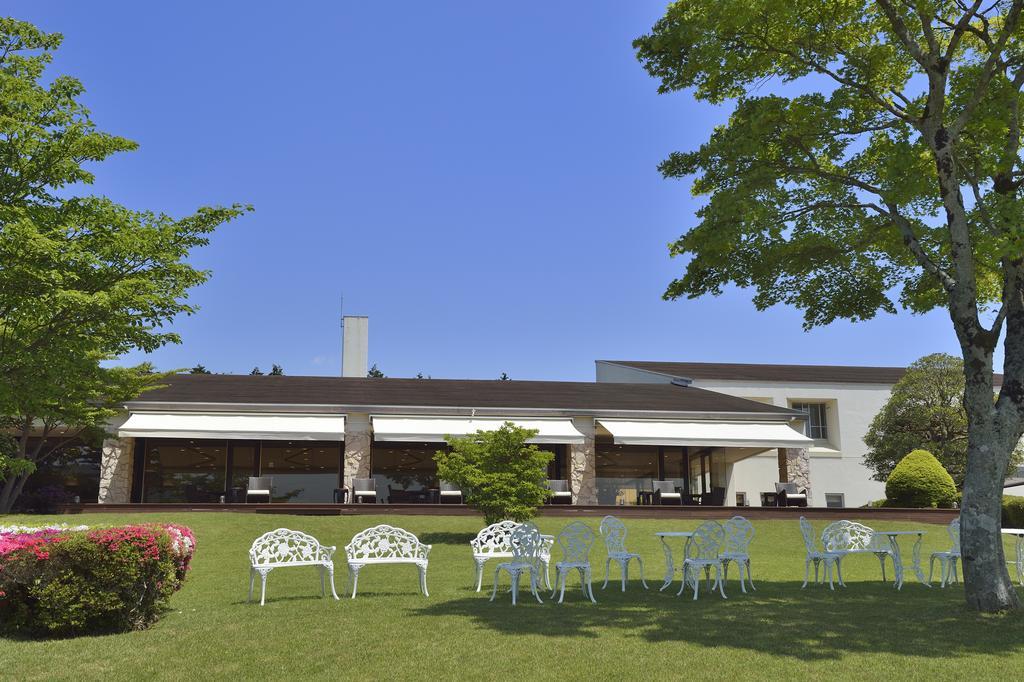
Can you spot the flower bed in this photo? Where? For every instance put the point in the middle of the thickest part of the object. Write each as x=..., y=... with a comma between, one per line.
x=67, y=581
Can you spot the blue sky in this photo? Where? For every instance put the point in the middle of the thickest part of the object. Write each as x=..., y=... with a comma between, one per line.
x=478, y=178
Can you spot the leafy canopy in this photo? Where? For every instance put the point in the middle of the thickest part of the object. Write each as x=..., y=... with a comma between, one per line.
x=924, y=412
x=822, y=188
x=499, y=473
x=918, y=480
x=82, y=279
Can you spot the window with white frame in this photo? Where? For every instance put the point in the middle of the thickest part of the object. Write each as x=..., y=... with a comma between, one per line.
x=816, y=425
x=835, y=500
x=741, y=499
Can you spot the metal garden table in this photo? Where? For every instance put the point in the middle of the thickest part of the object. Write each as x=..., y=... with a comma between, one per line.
x=897, y=556
x=670, y=566
x=1019, y=562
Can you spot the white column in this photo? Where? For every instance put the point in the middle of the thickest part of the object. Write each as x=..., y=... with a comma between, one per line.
x=116, y=471
x=357, y=447
x=583, y=464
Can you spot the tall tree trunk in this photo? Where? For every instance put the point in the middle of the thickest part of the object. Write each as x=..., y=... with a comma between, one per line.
x=7, y=494
x=987, y=584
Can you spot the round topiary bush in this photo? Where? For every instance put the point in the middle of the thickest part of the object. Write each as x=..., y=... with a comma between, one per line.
x=920, y=481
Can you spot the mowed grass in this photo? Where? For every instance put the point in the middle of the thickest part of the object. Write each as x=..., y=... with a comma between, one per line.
x=866, y=631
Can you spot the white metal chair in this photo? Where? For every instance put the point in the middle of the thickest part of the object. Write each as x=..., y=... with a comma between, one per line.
x=386, y=544
x=560, y=492
x=495, y=542
x=830, y=559
x=449, y=492
x=614, y=533
x=526, y=543
x=576, y=539
x=702, y=552
x=843, y=538
x=738, y=534
x=282, y=548
x=261, y=486
x=947, y=560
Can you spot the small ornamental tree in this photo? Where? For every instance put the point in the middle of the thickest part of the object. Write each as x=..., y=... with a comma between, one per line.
x=920, y=481
x=499, y=473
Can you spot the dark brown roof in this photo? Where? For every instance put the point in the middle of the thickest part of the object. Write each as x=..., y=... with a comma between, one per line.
x=841, y=374
x=521, y=395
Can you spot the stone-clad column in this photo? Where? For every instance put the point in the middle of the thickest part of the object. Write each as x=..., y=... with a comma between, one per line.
x=582, y=464
x=798, y=468
x=116, y=471
x=357, y=447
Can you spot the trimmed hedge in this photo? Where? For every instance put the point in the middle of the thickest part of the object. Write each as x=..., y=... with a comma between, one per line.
x=920, y=481
x=61, y=582
x=1013, y=512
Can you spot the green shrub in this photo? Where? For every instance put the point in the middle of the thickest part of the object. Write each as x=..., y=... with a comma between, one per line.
x=1013, y=512
x=920, y=481
x=55, y=582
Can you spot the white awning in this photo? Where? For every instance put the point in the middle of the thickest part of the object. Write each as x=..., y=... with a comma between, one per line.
x=254, y=426
x=706, y=434
x=434, y=429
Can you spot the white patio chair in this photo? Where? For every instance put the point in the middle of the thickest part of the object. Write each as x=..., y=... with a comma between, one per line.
x=843, y=538
x=702, y=552
x=576, y=539
x=526, y=543
x=364, y=487
x=817, y=556
x=614, y=533
x=495, y=542
x=560, y=492
x=947, y=560
x=738, y=534
x=665, y=493
x=449, y=492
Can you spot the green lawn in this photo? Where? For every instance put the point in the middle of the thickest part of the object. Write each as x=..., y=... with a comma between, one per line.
x=866, y=631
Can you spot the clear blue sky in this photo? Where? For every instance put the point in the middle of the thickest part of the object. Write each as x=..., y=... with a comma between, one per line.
x=479, y=178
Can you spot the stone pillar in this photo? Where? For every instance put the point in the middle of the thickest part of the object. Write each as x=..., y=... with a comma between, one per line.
x=583, y=464
x=357, y=447
x=798, y=466
x=116, y=471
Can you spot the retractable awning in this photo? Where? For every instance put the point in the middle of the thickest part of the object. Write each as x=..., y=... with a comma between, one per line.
x=434, y=429
x=706, y=434
x=254, y=426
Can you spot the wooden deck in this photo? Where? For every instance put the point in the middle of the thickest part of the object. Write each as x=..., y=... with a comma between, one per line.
x=633, y=512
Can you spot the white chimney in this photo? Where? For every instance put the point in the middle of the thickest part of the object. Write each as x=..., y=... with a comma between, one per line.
x=355, y=342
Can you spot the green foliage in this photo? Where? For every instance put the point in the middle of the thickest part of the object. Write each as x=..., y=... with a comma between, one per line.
x=1013, y=511
x=256, y=372
x=919, y=480
x=925, y=411
x=499, y=473
x=83, y=280
x=199, y=369
x=276, y=371
x=85, y=583
x=374, y=373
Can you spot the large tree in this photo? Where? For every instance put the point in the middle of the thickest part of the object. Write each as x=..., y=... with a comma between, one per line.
x=871, y=161
x=924, y=412
x=82, y=279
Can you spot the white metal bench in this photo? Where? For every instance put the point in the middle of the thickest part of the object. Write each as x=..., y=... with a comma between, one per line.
x=495, y=542
x=386, y=544
x=841, y=538
x=283, y=548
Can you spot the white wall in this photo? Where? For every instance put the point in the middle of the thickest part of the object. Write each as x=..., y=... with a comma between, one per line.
x=836, y=466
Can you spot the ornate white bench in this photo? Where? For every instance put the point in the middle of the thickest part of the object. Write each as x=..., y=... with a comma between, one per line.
x=495, y=542
x=281, y=548
x=386, y=544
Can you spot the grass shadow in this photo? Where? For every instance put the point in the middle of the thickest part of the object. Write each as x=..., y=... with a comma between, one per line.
x=447, y=538
x=779, y=619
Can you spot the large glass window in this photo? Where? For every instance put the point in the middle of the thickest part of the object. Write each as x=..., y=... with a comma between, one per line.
x=302, y=471
x=622, y=470
x=558, y=468
x=404, y=472
x=69, y=469
x=184, y=470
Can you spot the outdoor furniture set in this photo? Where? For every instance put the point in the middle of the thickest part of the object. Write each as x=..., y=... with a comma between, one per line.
x=843, y=538
x=711, y=547
x=671, y=493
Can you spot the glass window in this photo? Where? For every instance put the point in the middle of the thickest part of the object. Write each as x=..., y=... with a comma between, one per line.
x=816, y=425
x=302, y=471
x=741, y=499
x=835, y=500
x=184, y=470
x=72, y=470
x=404, y=471
x=244, y=460
x=622, y=470
x=558, y=468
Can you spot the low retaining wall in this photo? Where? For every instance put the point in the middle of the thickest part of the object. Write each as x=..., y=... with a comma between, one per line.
x=626, y=512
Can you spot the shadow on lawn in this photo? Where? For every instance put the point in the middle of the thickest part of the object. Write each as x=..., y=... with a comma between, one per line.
x=778, y=619
x=447, y=538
